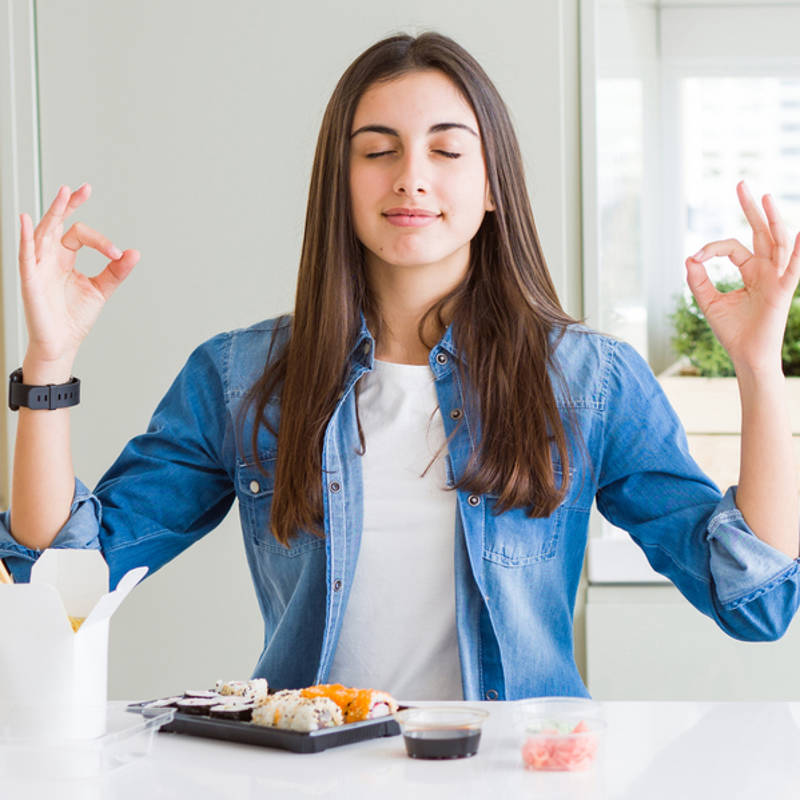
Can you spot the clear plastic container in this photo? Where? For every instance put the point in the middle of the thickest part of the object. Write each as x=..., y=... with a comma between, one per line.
x=25, y=752
x=560, y=734
x=439, y=732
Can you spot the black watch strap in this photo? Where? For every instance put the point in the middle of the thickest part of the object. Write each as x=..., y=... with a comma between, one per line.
x=51, y=396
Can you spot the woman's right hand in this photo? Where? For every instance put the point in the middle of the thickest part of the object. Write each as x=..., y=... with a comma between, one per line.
x=61, y=304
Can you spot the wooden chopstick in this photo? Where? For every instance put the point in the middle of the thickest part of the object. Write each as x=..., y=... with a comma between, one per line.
x=5, y=576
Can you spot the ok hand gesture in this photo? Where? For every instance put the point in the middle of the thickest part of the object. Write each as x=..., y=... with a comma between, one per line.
x=61, y=304
x=750, y=322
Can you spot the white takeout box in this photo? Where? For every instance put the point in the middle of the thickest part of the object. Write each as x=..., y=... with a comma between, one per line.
x=53, y=680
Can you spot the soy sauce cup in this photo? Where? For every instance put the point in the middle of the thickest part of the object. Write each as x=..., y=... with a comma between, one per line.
x=439, y=732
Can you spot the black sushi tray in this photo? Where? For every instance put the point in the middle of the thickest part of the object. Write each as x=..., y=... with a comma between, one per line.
x=250, y=733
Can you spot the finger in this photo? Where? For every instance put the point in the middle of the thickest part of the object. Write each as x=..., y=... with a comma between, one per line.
x=116, y=272
x=780, y=235
x=762, y=238
x=27, y=248
x=79, y=235
x=53, y=214
x=702, y=288
x=727, y=248
x=64, y=204
x=791, y=275
x=77, y=198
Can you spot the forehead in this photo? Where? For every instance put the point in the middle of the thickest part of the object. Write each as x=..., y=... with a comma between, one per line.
x=414, y=100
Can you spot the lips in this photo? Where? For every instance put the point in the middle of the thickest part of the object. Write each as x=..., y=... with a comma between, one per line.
x=409, y=222
x=409, y=212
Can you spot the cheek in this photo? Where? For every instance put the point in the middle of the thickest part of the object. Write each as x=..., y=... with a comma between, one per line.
x=468, y=196
x=356, y=196
x=364, y=189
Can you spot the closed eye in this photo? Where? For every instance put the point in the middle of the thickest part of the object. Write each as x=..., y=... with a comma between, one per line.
x=386, y=152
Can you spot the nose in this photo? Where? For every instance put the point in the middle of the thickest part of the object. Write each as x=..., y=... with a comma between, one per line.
x=411, y=179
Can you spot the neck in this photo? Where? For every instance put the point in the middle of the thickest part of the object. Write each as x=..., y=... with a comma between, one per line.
x=403, y=294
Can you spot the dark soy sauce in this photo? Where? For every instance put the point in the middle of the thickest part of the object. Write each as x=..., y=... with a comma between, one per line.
x=442, y=743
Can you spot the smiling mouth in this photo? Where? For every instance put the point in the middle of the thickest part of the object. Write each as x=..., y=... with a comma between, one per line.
x=410, y=211
x=412, y=220
x=413, y=216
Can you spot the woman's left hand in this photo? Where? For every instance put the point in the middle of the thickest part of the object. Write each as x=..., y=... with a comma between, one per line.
x=750, y=322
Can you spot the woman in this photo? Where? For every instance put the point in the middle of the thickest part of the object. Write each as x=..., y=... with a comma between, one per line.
x=416, y=448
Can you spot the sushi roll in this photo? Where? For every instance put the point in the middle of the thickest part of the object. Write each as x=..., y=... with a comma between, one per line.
x=236, y=688
x=311, y=715
x=255, y=689
x=164, y=702
x=275, y=708
x=196, y=705
x=341, y=695
x=356, y=704
x=369, y=704
x=202, y=693
x=281, y=694
x=232, y=709
x=292, y=712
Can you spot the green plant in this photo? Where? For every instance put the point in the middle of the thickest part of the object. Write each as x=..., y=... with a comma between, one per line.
x=695, y=339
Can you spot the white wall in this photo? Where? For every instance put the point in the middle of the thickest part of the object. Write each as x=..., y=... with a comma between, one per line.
x=195, y=123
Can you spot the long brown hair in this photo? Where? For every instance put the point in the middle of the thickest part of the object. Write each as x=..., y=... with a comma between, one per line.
x=503, y=313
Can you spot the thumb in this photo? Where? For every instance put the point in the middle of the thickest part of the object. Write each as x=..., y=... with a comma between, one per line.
x=702, y=288
x=116, y=272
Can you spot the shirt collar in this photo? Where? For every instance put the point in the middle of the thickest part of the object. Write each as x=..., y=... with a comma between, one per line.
x=363, y=351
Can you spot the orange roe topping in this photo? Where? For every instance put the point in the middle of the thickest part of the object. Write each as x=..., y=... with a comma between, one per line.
x=359, y=706
x=353, y=702
x=341, y=695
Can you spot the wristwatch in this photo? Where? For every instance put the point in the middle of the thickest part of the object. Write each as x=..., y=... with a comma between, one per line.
x=51, y=396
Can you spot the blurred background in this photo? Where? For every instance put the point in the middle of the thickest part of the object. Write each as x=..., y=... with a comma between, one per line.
x=195, y=124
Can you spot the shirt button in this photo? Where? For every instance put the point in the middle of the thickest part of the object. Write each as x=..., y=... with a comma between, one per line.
x=456, y=413
x=492, y=694
x=474, y=500
x=254, y=487
x=441, y=358
x=335, y=486
x=337, y=585
x=365, y=347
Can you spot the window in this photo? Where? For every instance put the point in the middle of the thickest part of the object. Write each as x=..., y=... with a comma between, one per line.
x=673, y=118
x=733, y=128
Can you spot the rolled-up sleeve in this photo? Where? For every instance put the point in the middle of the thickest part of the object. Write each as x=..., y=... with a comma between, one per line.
x=689, y=531
x=168, y=487
x=80, y=530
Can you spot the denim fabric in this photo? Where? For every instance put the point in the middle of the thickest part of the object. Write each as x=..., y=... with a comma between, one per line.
x=516, y=578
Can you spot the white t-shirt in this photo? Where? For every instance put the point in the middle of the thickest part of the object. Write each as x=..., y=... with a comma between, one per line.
x=399, y=629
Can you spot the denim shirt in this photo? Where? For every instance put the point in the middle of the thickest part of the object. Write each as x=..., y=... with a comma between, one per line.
x=515, y=577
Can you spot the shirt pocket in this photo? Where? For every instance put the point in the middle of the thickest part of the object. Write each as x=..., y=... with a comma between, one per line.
x=513, y=539
x=255, y=491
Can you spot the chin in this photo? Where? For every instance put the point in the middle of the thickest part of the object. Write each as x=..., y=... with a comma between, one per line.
x=415, y=256
x=418, y=255
x=411, y=263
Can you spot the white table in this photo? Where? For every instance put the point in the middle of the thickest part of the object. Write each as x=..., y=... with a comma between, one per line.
x=653, y=750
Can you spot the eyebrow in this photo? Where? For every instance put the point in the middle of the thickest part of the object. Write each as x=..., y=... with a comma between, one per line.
x=441, y=126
